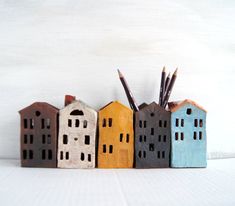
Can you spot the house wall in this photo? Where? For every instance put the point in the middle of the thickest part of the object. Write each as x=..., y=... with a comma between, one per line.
x=39, y=137
x=188, y=152
x=121, y=155
x=152, y=137
x=76, y=144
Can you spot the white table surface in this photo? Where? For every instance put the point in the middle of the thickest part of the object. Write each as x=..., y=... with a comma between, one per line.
x=26, y=186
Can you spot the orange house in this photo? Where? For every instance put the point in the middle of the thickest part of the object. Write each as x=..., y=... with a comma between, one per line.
x=116, y=136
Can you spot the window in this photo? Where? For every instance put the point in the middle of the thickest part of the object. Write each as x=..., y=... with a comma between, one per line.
x=163, y=154
x=194, y=135
x=139, y=154
x=42, y=123
x=144, y=154
x=152, y=114
x=127, y=137
x=182, y=136
x=89, y=157
x=61, y=155
x=48, y=139
x=176, y=136
x=200, y=135
x=50, y=154
x=77, y=112
x=152, y=131
x=104, y=123
x=25, y=139
x=65, y=139
x=151, y=147
x=144, y=138
x=30, y=154
x=104, y=148
x=110, y=149
x=84, y=124
x=110, y=122
x=69, y=122
x=140, y=124
x=75, y=139
x=48, y=123
x=121, y=137
x=43, y=154
x=159, y=138
x=182, y=122
x=25, y=123
x=195, y=123
x=165, y=123
x=176, y=122
x=37, y=113
x=158, y=154
x=201, y=123
x=82, y=156
x=145, y=124
x=189, y=111
x=160, y=123
x=87, y=139
x=164, y=138
x=31, y=123
x=77, y=123
x=24, y=154
x=140, y=139
x=67, y=155
x=43, y=139
x=31, y=139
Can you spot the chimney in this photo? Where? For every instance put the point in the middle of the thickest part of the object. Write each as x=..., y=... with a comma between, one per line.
x=68, y=99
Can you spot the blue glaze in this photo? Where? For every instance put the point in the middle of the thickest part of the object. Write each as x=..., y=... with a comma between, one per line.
x=188, y=152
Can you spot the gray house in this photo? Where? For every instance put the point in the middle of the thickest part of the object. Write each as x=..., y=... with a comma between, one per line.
x=152, y=137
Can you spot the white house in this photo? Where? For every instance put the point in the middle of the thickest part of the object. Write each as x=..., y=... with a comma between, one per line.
x=77, y=136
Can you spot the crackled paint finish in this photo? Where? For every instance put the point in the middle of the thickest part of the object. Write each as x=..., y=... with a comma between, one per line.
x=188, y=136
x=152, y=137
x=116, y=137
x=77, y=136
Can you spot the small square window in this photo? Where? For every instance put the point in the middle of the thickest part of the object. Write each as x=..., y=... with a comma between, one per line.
x=151, y=147
x=189, y=111
x=201, y=123
x=87, y=139
x=176, y=122
x=65, y=139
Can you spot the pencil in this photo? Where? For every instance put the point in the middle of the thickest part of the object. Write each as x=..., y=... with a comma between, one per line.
x=162, y=87
x=129, y=95
x=166, y=84
x=170, y=88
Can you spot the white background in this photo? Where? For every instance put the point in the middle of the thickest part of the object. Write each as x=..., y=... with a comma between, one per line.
x=57, y=47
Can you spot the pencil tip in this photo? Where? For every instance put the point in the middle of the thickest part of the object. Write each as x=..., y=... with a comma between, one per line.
x=169, y=75
x=175, y=73
x=164, y=69
x=119, y=73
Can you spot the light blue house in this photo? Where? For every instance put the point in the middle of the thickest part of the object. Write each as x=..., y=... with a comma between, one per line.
x=188, y=134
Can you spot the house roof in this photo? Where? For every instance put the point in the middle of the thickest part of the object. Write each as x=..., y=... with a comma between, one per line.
x=142, y=105
x=39, y=104
x=174, y=106
x=114, y=102
x=153, y=105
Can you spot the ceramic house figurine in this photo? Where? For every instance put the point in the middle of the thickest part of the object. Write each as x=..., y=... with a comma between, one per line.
x=188, y=134
x=116, y=136
x=152, y=137
x=39, y=135
x=77, y=135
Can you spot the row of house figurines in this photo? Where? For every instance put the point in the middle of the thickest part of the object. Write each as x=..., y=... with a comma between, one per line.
x=151, y=138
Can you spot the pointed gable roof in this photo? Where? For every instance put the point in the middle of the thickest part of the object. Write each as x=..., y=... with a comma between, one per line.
x=38, y=105
x=174, y=106
x=153, y=105
x=115, y=102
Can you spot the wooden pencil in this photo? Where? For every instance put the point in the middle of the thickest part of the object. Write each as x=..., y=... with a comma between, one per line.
x=168, y=79
x=162, y=87
x=170, y=88
x=129, y=95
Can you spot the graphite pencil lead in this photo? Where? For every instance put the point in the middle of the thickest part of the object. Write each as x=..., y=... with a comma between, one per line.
x=120, y=74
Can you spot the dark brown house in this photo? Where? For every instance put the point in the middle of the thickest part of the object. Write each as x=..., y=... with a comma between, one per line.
x=38, y=137
x=152, y=137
